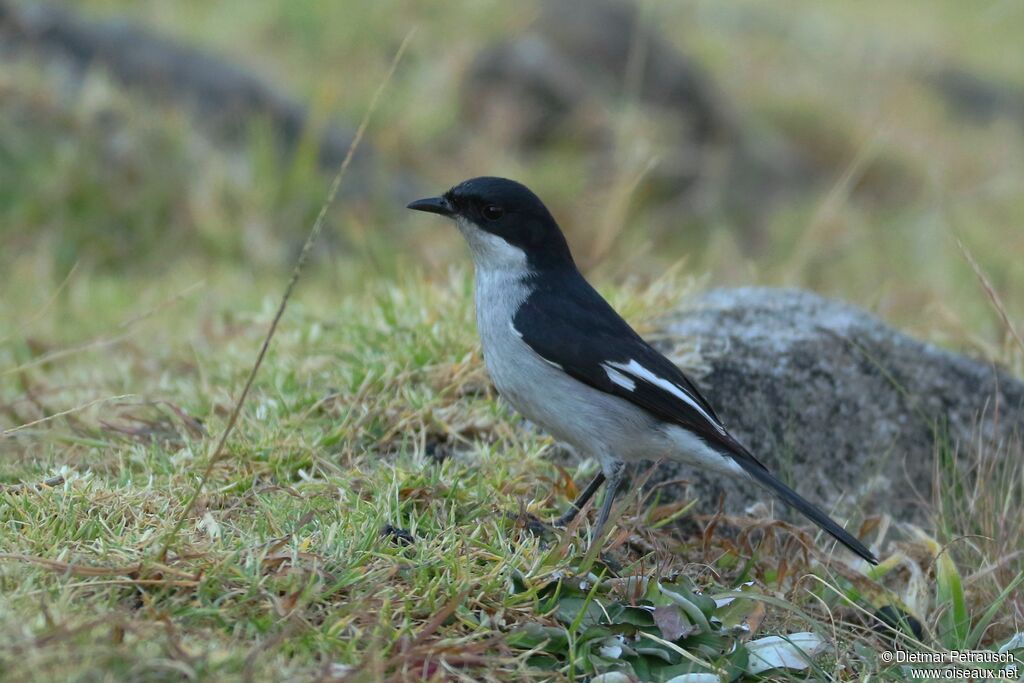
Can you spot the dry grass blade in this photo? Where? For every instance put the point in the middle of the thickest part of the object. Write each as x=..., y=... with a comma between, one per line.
x=45, y=484
x=7, y=432
x=73, y=569
x=816, y=230
x=45, y=307
x=133, y=571
x=300, y=263
x=423, y=637
x=251, y=659
x=993, y=296
x=103, y=342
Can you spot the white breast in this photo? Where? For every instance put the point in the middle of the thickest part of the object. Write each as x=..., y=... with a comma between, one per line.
x=593, y=422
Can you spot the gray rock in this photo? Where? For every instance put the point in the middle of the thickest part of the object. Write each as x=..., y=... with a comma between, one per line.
x=841, y=406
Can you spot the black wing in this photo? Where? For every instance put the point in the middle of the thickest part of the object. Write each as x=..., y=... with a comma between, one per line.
x=568, y=323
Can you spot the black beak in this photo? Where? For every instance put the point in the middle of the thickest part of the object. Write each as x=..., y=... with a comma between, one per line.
x=438, y=205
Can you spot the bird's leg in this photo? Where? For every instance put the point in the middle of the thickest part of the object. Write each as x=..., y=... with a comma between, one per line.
x=580, y=501
x=614, y=482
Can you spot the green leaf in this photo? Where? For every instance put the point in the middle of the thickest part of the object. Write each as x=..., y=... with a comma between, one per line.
x=595, y=632
x=541, y=661
x=578, y=613
x=684, y=586
x=643, y=668
x=551, y=639
x=689, y=604
x=736, y=612
x=978, y=631
x=662, y=653
x=955, y=621
x=597, y=664
x=635, y=616
x=712, y=642
x=736, y=663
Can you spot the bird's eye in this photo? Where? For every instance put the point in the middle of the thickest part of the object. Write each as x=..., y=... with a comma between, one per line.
x=493, y=212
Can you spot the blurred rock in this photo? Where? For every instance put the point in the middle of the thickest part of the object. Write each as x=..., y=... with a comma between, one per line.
x=976, y=98
x=838, y=403
x=225, y=98
x=576, y=56
x=556, y=84
x=529, y=95
x=612, y=44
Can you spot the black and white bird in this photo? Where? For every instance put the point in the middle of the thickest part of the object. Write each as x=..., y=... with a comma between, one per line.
x=562, y=356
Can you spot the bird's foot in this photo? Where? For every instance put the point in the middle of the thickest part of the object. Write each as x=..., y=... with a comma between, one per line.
x=566, y=518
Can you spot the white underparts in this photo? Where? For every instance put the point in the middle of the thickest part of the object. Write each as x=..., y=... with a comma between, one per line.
x=693, y=449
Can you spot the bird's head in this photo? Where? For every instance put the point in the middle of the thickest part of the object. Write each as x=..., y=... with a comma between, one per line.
x=506, y=225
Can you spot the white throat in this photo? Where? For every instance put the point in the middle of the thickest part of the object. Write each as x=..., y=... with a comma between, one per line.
x=492, y=254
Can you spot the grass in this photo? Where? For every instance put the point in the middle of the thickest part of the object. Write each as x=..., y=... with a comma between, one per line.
x=371, y=515
x=371, y=413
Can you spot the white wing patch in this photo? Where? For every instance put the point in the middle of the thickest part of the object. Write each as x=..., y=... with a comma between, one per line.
x=640, y=372
x=618, y=378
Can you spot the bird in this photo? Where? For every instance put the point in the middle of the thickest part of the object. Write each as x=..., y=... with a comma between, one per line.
x=567, y=361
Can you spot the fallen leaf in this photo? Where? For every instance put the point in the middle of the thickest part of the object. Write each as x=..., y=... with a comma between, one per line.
x=783, y=652
x=696, y=678
x=672, y=624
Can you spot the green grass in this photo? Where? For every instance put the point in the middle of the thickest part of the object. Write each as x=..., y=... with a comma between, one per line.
x=372, y=410
x=141, y=272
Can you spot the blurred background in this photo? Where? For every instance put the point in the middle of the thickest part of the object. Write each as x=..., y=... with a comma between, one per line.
x=149, y=147
x=162, y=162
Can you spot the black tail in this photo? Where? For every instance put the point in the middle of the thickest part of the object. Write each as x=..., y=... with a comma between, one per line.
x=804, y=507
